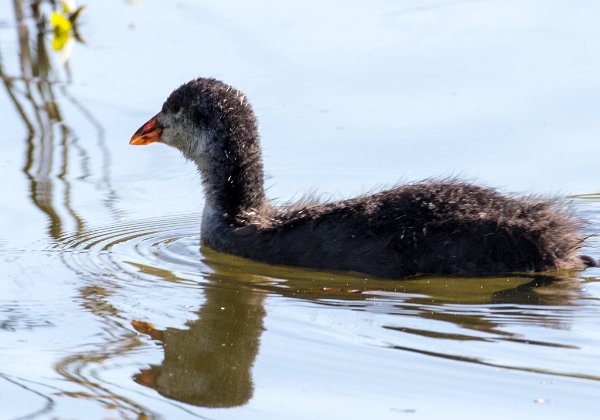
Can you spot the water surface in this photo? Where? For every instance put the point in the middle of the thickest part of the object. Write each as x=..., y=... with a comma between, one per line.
x=110, y=309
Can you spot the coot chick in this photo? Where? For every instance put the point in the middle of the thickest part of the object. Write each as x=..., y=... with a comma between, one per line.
x=432, y=227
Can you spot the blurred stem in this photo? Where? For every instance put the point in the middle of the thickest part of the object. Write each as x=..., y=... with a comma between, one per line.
x=25, y=62
x=9, y=89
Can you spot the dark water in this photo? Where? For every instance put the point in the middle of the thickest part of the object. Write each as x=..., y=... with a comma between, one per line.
x=109, y=309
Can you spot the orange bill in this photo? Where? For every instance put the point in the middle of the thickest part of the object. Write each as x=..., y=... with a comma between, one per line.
x=147, y=328
x=148, y=133
x=146, y=377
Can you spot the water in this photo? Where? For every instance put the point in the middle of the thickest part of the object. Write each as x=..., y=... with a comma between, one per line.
x=109, y=309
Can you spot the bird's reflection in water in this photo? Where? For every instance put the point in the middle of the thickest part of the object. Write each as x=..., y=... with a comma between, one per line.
x=210, y=362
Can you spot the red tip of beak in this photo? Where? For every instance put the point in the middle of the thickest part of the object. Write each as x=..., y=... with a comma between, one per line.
x=148, y=133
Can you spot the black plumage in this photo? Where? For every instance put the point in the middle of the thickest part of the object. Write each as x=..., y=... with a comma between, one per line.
x=432, y=227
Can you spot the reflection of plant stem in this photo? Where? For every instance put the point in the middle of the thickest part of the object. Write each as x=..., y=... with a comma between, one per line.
x=95, y=300
x=37, y=105
x=9, y=89
x=70, y=369
x=80, y=223
x=25, y=62
x=41, y=195
x=49, y=401
x=479, y=361
x=111, y=196
x=38, y=91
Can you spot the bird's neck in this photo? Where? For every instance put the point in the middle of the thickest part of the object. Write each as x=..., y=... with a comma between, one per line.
x=233, y=177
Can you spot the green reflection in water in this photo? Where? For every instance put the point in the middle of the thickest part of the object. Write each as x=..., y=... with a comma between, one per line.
x=209, y=363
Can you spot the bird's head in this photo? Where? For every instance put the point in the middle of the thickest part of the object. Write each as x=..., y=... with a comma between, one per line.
x=199, y=118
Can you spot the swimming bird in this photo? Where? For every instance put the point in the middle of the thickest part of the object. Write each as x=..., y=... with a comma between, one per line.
x=428, y=227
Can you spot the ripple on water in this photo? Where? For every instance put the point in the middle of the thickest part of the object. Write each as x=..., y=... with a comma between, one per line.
x=516, y=324
x=147, y=250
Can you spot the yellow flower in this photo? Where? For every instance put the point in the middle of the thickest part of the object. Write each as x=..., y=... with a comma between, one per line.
x=61, y=28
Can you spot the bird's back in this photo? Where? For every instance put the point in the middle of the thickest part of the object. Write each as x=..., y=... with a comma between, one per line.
x=433, y=227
